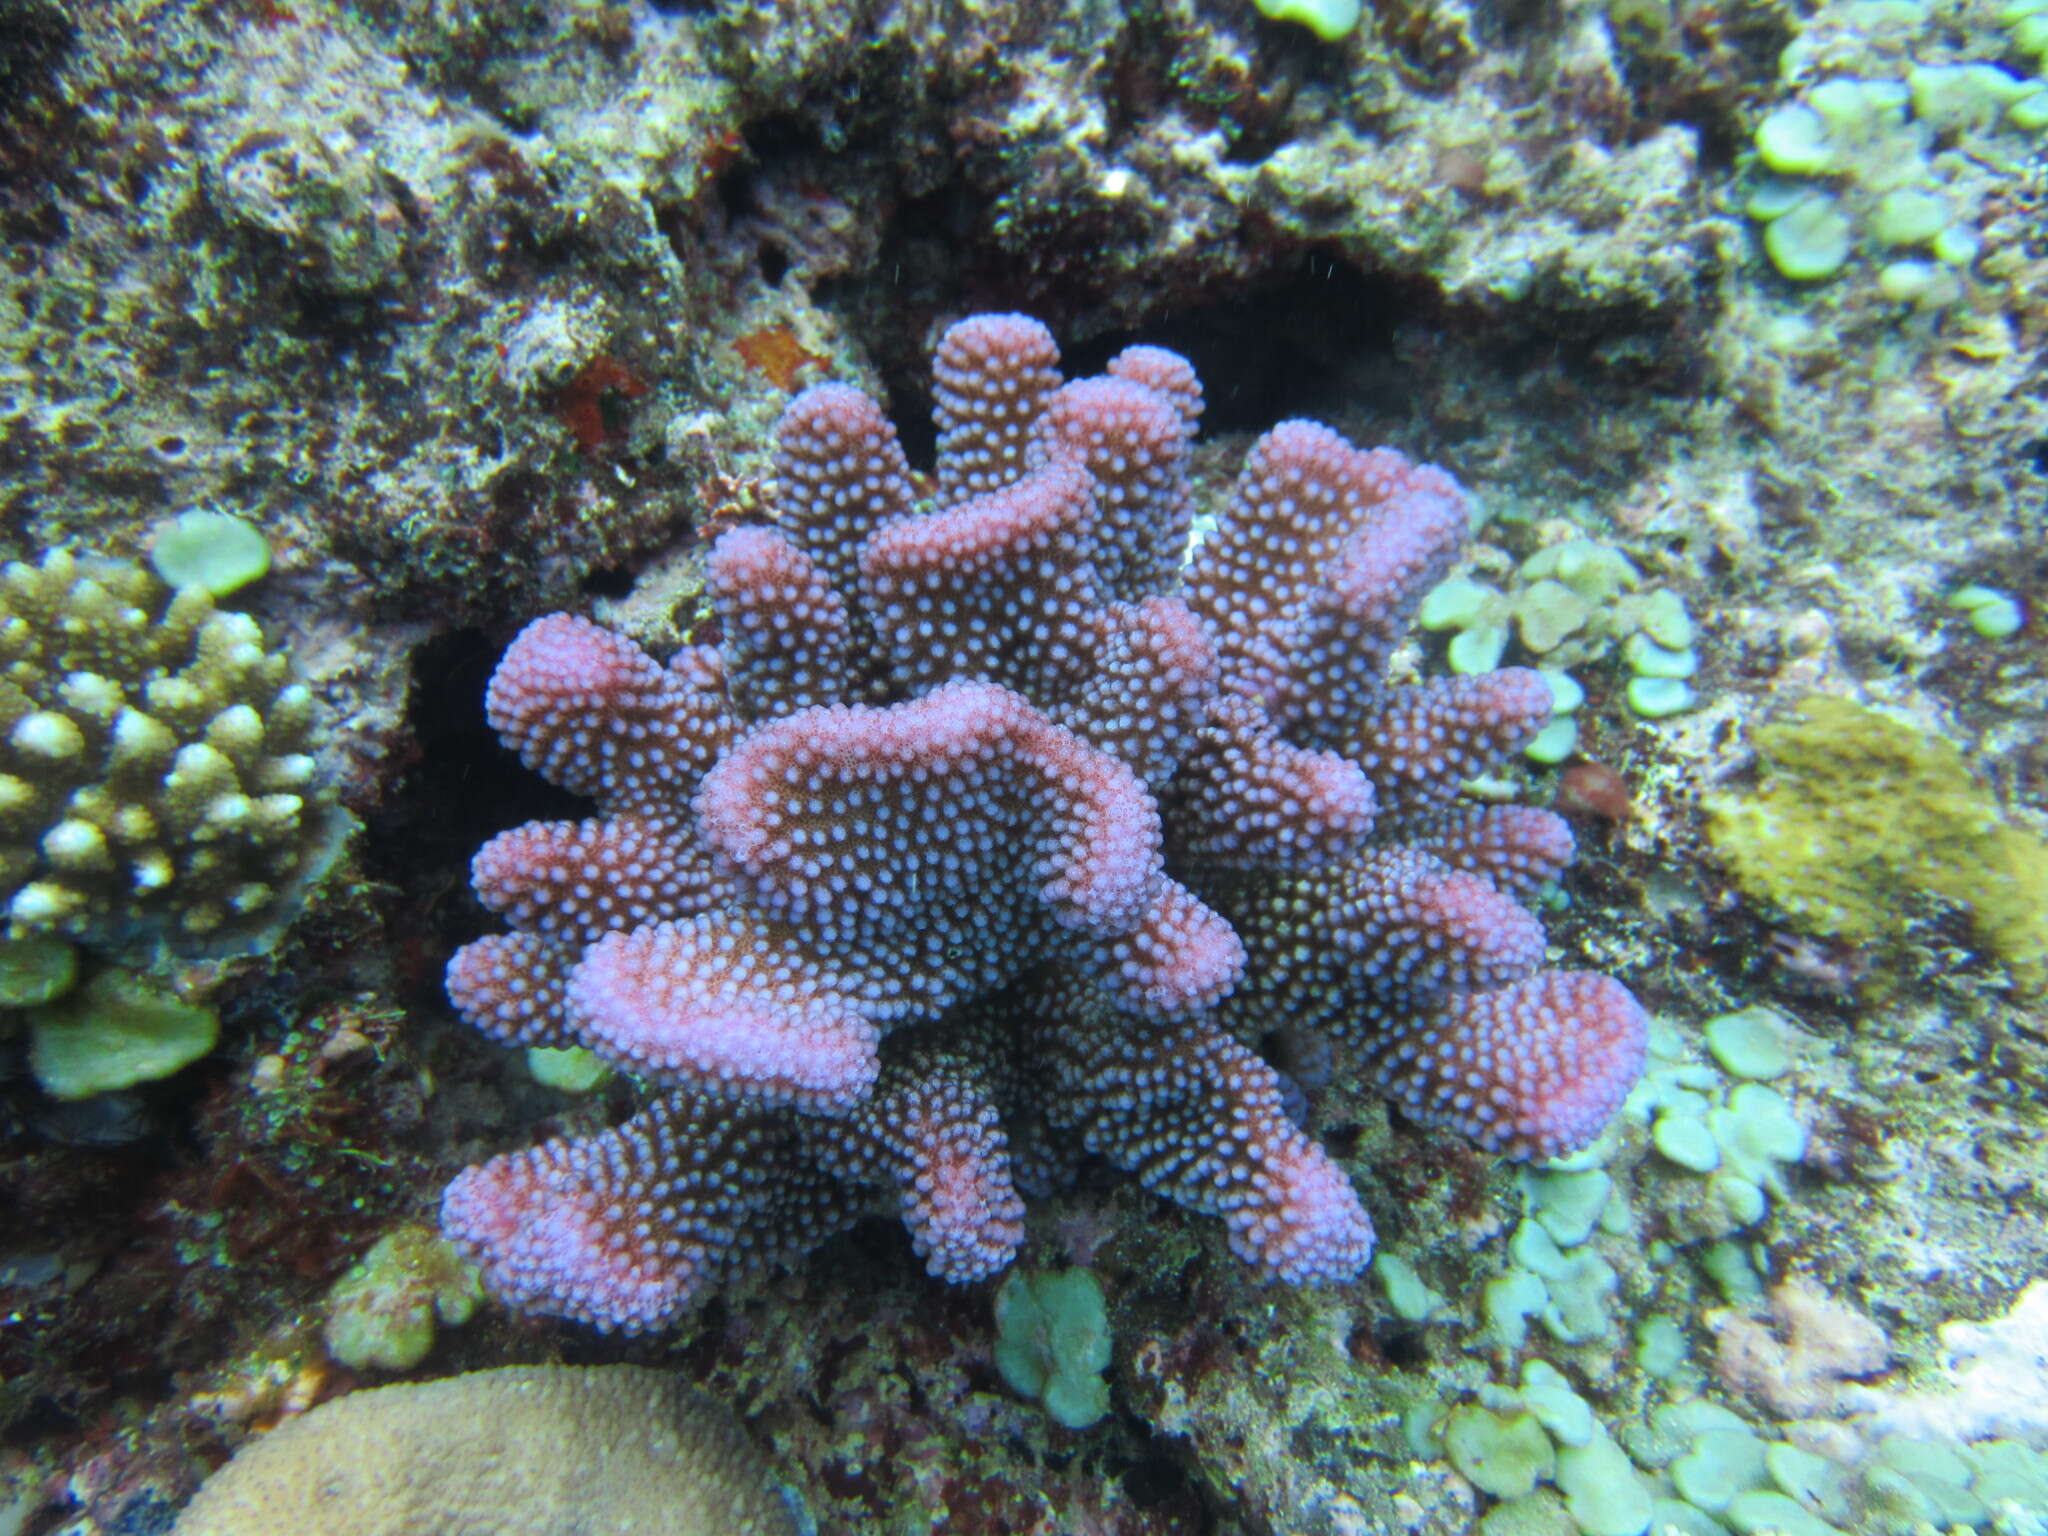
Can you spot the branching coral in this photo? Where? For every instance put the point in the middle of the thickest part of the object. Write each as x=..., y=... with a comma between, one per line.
x=988, y=837
x=156, y=776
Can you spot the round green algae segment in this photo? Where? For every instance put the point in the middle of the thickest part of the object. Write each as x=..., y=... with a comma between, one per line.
x=1602, y=1489
x=115, y=1032
x=1686, y=1140
x=1993, y=615
x=1548, y=613
x=1568, y=1205
x=1998, y=620
x=34, y=969
x=1656, y=697
x=1478, y=649
x=1328, y=19
x=1722, y=1464
x=566, y=1069
x=1774, y=199
x=1646, y=658
x=1810, y=240
x=1749, y=1044
x=1793, y=140
x=1502, y=1456
x=1957, y=245
x=1052, y=1342
x=1661, y=1347
x=1756, y=1129
x=1908, y=216
x=1664, y=619
x=1907, y=282
x=1565, y=693
x=1557, y=1407
x=1455, y=603
x=215, y=551
x=1412, y=1300
x=1554, y=743
x=1766, y=1512
x=381, y=1314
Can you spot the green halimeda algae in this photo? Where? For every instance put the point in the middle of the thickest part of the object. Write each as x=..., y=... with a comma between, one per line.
x=1328, y=19
x=1992, y=614
x=1568, y=1205
x=1557, y=1407
x=1411, y=1299
x=1810, y=240
x=1685, y=1139
x=1766, y=1512
x=35, y=969
x=1503, y=1456
x=1661, y=1347
x=1570, y=604
x=381, y=1315
x=1053, y=1342
x=1721, y=1464
x=1656, y=697
x=216, y=552
x=1602, y=1489
x=1749, y=1044
x=566, y=1069
x=115, y=1032
x=1541, y=1513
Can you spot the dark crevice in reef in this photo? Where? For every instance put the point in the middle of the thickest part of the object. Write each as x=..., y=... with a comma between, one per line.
x=609, y=581
x=777, y=140
x=1316, y=339
x=39, y=35
x=461, y=788
x=1318, y=342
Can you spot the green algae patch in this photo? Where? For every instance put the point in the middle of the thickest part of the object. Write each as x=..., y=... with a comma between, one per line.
x=1855, y=809
x=35, y=969
x=1328, y=19
x=567, y=1069
x=115, y=1032
x=1603, y=1491
x=1052, y=1342
x=381, y=1314
x=215, y=551
x=1506, y=1457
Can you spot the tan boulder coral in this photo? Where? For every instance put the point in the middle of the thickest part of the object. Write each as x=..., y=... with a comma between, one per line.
x=156, y=770
x=519, y=1451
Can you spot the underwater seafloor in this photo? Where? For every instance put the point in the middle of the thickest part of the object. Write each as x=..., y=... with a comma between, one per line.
x=395, y=325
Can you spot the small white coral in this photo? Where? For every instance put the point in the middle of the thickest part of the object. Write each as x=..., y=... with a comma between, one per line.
x=1999, y=1382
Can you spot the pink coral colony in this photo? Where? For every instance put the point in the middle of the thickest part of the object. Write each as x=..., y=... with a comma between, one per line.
x=990, y=834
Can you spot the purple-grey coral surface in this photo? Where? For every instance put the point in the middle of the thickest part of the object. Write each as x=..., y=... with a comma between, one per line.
x=988, y=836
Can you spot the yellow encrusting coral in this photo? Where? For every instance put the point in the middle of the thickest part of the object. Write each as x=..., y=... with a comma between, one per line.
x=519, y=1451
x=1856, y=810
x=156, y=768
